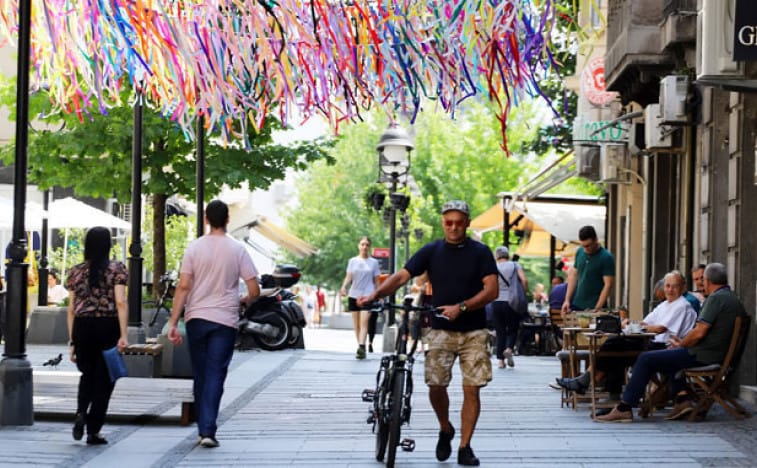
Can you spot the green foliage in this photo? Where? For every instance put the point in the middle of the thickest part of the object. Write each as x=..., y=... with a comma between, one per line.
x=75, y=252
x=453, y=159
x=178, y=235
x=565, y=42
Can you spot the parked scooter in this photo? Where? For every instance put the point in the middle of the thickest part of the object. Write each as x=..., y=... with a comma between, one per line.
x=275, y=320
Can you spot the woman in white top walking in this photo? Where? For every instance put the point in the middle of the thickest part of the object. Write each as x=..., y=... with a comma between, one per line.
x=362, y=273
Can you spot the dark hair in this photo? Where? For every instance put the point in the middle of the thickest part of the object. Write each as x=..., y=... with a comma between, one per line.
x=217, y=213
x=54, y=273
x=716, y=274
x=362, y=238
x=699, y=266
x=96, y=252
x=586, y=233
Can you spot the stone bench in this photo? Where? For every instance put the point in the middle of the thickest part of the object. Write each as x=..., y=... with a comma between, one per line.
x=133, y=397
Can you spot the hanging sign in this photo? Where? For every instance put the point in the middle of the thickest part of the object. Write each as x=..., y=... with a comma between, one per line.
x=593, y=83
x=745, y=31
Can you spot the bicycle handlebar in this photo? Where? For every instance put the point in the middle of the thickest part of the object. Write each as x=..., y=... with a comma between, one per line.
x=376, y=306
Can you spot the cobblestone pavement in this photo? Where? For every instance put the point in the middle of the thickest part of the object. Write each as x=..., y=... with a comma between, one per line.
x=303, y=409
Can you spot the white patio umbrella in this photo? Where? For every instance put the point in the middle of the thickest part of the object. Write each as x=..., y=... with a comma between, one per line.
x=71, y=213
x=32, y=215
x=67, y=213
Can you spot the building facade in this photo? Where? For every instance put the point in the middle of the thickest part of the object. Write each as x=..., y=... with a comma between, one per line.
x=686, y=76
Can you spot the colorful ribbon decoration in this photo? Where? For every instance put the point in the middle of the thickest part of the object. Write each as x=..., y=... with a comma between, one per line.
x=235, y=61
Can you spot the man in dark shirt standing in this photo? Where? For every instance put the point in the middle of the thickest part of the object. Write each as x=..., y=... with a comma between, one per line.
x=591, y=277
x=464, y=276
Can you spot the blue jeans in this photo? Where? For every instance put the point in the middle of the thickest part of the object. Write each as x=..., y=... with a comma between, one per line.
x=667, y=361
x=211, y=346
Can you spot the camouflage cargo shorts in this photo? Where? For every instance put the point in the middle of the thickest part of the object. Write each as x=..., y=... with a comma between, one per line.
x=444, y=346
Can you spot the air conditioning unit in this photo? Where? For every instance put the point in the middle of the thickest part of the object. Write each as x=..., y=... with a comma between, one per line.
x=636, y=142
x=673, y=92
x=715, y=41
x=587, y=161
x=613, y=163
x=655, y=135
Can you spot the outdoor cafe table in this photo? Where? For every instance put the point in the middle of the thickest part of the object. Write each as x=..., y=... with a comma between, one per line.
x=595, y=342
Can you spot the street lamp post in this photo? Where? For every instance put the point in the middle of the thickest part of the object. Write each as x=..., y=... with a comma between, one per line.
x=393, y=149
x=16, y=400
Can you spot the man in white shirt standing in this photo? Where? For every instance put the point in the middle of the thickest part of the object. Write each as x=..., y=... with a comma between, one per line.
x=209, y=288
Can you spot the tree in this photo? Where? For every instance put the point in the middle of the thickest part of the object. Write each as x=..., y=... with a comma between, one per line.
x=453, y=159
x=92, y=154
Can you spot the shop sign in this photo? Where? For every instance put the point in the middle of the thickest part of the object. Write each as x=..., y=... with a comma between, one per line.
x=593, y=83
x=745, y=31
x=382, y=255
x=589, y=130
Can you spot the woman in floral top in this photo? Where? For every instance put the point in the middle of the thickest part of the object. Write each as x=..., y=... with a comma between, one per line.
x=97, y=320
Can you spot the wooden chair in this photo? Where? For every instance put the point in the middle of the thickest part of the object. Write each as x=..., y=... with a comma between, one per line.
x=710, y=384
x=555, y=318
x=572, y=368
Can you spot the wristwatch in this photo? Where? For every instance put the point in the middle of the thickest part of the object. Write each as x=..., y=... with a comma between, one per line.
x=463, y=307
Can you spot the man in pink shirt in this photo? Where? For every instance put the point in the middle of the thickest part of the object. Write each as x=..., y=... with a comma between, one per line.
x=208, y=291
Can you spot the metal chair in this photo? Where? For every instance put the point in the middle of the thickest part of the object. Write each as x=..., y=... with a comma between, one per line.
x=710, y=384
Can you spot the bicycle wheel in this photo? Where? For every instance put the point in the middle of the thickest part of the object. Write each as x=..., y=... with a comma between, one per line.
x=395, y=419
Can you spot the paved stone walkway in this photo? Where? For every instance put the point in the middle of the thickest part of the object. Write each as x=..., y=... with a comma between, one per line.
x=303, y=409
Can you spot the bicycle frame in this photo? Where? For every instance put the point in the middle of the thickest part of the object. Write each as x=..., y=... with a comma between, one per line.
x=394, y=388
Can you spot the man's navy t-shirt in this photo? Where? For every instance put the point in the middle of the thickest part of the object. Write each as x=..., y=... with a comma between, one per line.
x=456, y=272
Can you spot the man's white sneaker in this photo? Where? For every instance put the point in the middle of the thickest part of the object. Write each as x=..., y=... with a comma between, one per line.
x=209, y=442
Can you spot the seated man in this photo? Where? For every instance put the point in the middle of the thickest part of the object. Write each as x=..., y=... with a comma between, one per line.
x=557, y=293
x=672, y=317
x=706, y=344
x=56, y=293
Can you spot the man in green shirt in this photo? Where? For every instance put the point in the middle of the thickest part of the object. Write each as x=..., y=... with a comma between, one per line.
x=706, y=344
x=591, y=277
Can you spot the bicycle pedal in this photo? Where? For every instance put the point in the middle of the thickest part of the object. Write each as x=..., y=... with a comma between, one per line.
x=368, y=394
x=371, y=419
x=408, y=445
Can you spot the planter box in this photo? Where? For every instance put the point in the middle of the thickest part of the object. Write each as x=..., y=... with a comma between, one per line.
x=47, y=325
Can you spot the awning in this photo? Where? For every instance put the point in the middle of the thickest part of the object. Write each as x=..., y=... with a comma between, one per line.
x=563, y=220
x=280, y=236
x=493, y=219
x=542, y=219
x=536, y=244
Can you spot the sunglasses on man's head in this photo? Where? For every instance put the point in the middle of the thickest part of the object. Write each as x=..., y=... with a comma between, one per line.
x=451, y=223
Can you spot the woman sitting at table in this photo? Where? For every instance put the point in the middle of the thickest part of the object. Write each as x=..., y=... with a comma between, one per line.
x=673, y=317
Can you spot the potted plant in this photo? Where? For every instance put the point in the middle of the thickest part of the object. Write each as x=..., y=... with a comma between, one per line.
x=375, y=196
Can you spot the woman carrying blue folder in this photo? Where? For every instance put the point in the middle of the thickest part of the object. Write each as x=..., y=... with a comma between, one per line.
x=97, y=321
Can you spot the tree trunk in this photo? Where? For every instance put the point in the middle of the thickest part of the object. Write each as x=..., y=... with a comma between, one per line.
x=158, y=242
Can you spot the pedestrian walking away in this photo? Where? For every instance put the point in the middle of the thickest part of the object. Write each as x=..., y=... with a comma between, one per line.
x=208, y=292
x=362, y=276
x=97, y=320
x=506, y=319
x=464, y=276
